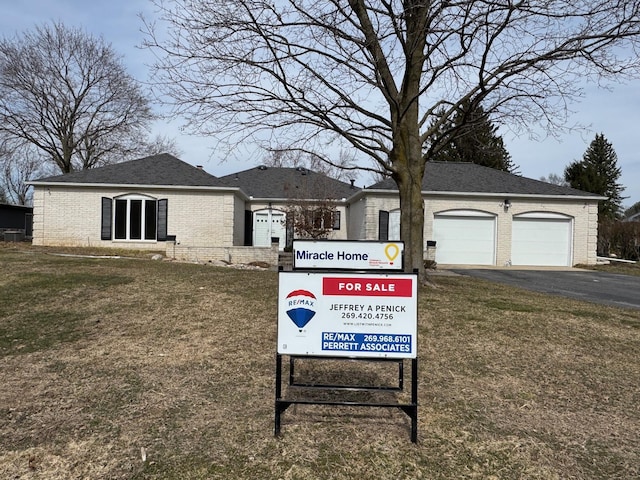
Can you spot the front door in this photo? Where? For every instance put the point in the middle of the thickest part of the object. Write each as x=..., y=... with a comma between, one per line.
x=268, y=224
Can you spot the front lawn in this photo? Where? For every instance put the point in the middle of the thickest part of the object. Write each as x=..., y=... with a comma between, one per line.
x=139, y=369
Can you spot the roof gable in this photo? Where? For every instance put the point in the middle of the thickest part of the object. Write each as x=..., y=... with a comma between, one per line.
x=288, y=183
x=457, y=177
x=162, y=169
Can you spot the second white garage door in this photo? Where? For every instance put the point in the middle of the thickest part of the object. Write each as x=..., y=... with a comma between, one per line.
x=541, y=239
x=465, y=237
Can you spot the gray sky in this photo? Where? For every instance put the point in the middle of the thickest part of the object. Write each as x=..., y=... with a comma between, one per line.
x=614, y=113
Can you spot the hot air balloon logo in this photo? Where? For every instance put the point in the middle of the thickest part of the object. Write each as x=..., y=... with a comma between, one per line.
x=301, y=307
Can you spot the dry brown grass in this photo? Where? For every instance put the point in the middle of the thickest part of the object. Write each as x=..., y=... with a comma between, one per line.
x=618, y=267
x=105, y=361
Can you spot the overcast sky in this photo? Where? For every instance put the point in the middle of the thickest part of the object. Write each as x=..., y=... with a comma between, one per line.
x=614, y=113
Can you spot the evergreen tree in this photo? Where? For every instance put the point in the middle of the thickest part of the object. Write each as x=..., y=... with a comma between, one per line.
x=471, y=137
x=598, y=172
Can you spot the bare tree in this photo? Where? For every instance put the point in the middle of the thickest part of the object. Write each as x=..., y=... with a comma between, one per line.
x=372, y=75
x=555, y=179
x=68, y=94
x=160, y=144
x=314, y=220
x=20, y=163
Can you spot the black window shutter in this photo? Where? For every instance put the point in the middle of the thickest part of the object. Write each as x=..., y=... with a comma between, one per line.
x=162, y=220
x=248, y=228
x=383, y=225
x=105, y=229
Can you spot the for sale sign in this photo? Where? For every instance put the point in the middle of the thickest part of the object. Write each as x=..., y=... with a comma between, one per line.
x=334, y=314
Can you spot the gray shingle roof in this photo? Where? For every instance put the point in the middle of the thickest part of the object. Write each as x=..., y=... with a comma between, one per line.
x=285, y=183
x=288, y=183
x=473, y=178
x=162, y=169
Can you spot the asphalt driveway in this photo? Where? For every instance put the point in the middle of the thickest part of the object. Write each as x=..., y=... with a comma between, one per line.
x=599, y=287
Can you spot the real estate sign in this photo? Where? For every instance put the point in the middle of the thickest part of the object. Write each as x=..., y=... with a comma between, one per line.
x=347, y=314
x=347, y=255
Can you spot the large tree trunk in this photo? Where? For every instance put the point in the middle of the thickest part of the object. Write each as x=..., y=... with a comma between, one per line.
x=406, y=154
x=412, y=215
x=408, y=162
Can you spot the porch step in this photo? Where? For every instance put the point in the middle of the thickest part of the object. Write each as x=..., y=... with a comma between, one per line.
x=285, y=260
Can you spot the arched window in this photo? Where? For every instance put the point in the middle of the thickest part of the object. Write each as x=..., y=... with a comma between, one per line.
x=134, y=217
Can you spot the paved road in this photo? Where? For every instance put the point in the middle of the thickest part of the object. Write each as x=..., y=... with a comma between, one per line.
x=599, y=287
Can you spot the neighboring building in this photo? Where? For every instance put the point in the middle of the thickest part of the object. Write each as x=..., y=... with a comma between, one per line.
x=632, y=218
x=15, y=219
x=476, y=215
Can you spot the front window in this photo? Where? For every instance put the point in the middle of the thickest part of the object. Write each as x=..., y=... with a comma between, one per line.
x=322, y=219
x=135, y=218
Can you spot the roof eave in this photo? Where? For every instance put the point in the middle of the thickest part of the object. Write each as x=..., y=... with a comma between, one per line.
x=494, y=194
x=548, y=196
x=139, y=186
x=344, y=200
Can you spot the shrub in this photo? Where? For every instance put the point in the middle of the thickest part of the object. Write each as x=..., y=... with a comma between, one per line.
x=621, y=239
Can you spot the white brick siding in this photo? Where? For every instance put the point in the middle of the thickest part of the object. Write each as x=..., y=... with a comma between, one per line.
x=584, y=214
x=209, y=224
x=71, y=216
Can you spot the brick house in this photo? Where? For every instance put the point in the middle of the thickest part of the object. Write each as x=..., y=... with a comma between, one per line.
x=475, y=215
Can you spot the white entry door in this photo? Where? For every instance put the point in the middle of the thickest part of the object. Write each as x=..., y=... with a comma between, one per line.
x=268, y=224
x=394, y=225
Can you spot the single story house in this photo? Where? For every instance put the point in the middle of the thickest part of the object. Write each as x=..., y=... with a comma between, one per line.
x=474, y=214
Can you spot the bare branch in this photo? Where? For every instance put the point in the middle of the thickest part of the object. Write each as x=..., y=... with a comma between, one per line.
x=68, y=94
x=383, y=78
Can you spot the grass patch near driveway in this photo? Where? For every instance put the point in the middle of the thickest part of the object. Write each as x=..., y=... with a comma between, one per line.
x=138, y=369
x=617, y=267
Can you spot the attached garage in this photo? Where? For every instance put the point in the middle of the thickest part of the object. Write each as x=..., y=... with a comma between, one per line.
x=542, y=239
x=465, y=237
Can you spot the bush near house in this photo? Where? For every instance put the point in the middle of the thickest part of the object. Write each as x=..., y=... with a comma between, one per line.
x=621, y=239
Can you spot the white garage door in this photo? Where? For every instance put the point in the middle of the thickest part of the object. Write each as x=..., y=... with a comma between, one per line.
x=542, y=240
x=465, y=237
